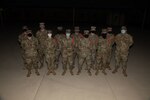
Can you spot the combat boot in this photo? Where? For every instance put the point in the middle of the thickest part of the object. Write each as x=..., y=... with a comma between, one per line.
x=48, y=73
x=114, y=71
x=104, y=72
x=79, y=71
x=97, y=72
x=64, y=72
x=29, y=73
x=54, y=73
x=71, y=72
x=37, y=72
x=89, y=72
x=124, y=73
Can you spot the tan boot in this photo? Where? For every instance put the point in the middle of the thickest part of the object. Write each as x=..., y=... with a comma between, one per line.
x=124, y=73
x=48, y=73
x=64, y=72
x=37, y=72
x=97, y=72
x=54, y=73
x=29, y=73
x=79, y=71
x=71, y=72
x=89, y=72
x=104, y=72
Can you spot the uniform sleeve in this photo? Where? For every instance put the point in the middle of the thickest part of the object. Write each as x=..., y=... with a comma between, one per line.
x=37, y=34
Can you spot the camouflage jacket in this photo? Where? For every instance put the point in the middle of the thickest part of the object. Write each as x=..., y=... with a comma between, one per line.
x=123, y=42
x=77, y=39
x=30, y=47
x=67, y=46
x=93, y=41
x=41, y=36
x=84, y=47
x=59, y=38
x=50, y=46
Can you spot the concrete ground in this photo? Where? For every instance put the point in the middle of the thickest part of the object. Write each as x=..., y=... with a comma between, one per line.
x=14, y=85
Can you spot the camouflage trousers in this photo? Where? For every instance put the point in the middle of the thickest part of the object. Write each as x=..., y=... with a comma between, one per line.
x=50, y=61
x=109, y=51
x=101, y=62
x=75, y=56
x=121, y=60
x=57, y=57
x=41, y=57
x=30, y=63
x=67, y=59
x=84, y=59
x=93, y=59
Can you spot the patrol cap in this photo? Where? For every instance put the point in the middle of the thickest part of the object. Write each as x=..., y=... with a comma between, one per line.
x=93, y=28
x=68, y=30
x=77, y=28
x=86, y=32
x=24, y=27
x=104, y=31
x=59, y=27
x=49, y=31
x=42, y=23
x=109, y=28
x=123, y=28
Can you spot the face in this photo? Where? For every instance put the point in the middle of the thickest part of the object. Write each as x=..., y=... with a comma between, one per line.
x=67, y=35
x=29, y=36
x=42, y=26
x=92, y=32
x=123, y=31
x=49, y=35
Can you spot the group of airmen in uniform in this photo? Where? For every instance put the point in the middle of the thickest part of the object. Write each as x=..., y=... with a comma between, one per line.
x=87, y=47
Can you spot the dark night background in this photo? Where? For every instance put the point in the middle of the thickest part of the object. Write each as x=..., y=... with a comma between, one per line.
x=76, y=12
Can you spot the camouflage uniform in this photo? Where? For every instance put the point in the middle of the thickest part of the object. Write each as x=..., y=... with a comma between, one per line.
x=50, y=53
x=30, y=54
x=67, y=53
x=104, y=51
x=94, y=43
x=21, y=37
x=123, y=42
x=59, y=36
x=84, y=53
x=41, y=35
x=110, y=40
x=77, y=36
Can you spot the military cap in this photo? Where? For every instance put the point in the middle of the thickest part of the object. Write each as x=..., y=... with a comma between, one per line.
x=109, y=28
x=68, y=30
x=76, y=28
x=93, y=28
x=123, y=28
x=24, y=27
x=49, y=31
x=42, y=23
x=104, y=31
x=59, y=27
x=86, y=32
